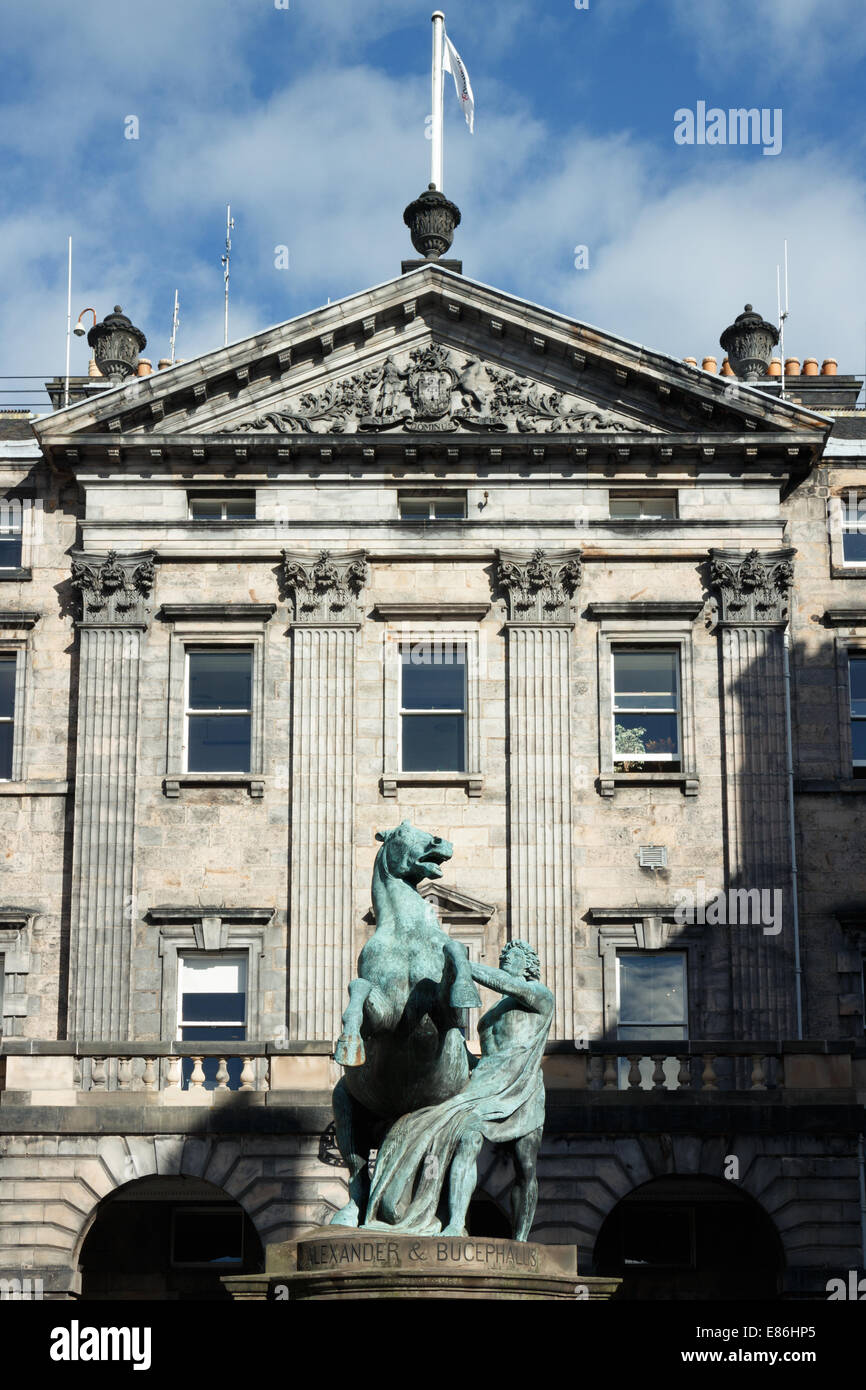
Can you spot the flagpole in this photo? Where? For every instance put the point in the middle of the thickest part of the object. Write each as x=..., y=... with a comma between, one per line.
x=437, y=151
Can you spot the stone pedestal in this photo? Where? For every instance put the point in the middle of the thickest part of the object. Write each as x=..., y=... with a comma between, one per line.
x=333, y=1262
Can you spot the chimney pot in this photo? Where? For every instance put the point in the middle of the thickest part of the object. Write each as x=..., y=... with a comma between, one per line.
x=726, y=368
x=810, y=366
x=710, y=364
x=690, y=361
x=828, y=366
x=145, y=366
x=792, y=366
x=163, y=363
x=775, y=367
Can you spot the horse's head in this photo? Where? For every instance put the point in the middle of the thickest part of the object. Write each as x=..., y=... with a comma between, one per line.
x=412, y=854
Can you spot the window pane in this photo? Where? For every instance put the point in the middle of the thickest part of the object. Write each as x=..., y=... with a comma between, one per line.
x=647, y=507
x=205, y=508
x=238, y=508
x=219, y=1033
x=218, y=1008
x=453, y=507
x=854, y=546
x=646, y=1032
x=627, y=507
x=203, y=974
x=414, y=509
x=219, y=743
x=5, y=752
x=645, y=679
x=433, y=677
x=857, y=679
x=652, y=989
x=10, y=551
x=220, y=680
x=7, y=686
x=434, y=743
x=642, y=735
x=858, y=740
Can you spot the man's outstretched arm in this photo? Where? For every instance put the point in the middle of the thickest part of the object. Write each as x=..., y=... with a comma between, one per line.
x=532, y=993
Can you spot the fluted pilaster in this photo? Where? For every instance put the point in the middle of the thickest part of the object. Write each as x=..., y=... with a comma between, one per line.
x=539, y=590
x=325, y=594
x=113, y=589
x=753, y=592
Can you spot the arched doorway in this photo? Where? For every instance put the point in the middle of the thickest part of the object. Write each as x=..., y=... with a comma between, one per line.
x=169, y=1238
x=690, y=1238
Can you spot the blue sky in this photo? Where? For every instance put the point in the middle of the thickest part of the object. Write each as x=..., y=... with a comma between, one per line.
x=310, y=121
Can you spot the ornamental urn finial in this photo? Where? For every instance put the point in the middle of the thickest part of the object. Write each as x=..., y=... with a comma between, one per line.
x=116, y=343
x=431, y=220
x=748, y=342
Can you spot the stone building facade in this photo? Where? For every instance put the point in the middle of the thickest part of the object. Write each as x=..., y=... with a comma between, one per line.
x=432, y=552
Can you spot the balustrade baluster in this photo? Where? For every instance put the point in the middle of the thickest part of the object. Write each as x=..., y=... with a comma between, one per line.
x=197, y=1077
x=124, y=1073
x=148, y=1076
x=634, y=1076
x=173, y=1072
x=658, y=1070
x=684, y=1074
x=97, y=1074
x=247, y=1075
x=758, y=1078
x=708, y=1075
x=222, y=1075
x=609, y=1076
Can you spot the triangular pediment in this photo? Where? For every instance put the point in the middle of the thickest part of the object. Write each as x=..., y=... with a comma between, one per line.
x=431, y=353
x=455, y=906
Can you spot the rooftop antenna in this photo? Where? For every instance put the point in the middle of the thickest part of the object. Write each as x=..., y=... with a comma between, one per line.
x=783, y=313
x=225, y=263
x=175, y=320
x=68, y=320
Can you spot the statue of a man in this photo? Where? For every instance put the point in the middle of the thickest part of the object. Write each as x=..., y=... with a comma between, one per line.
x=503, y=1101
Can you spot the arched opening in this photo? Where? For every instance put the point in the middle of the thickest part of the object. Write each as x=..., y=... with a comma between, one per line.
x=169, y=1238
x=690, y=1238
x=486, y=1218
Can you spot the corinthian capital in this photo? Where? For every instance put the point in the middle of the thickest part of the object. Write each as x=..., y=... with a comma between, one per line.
x=326, y=589
x=539, y=587
x=114, y=587
x=753, y=589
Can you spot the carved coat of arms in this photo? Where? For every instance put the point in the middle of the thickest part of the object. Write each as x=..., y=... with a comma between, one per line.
x=430, y=383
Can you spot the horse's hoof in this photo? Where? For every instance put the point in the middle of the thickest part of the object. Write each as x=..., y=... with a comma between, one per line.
x=465, y=996
x=349, y=1052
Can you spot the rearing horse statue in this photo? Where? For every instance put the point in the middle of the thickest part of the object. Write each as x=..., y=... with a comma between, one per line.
x=401, y=1043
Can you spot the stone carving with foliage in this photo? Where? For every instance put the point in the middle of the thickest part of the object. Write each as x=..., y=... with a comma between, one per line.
x=113, y=587
x=437, y=392
x=753, y=588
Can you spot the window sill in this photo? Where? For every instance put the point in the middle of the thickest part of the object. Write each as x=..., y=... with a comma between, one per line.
x=852, y=571
x=175, y=782
x=689, y=782
x=472, y=781
x=34, y=787
x=19, y=575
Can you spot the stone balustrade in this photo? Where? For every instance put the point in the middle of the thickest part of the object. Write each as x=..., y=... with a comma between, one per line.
x=676, y=1066
x=66, y=1073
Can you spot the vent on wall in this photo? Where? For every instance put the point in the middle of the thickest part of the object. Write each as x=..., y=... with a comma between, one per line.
x=653, y=857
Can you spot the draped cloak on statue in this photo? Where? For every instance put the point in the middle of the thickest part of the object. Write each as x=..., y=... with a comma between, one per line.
x=502, y=1100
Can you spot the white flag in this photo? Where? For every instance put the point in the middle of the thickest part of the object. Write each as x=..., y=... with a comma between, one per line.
x=453, y=63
